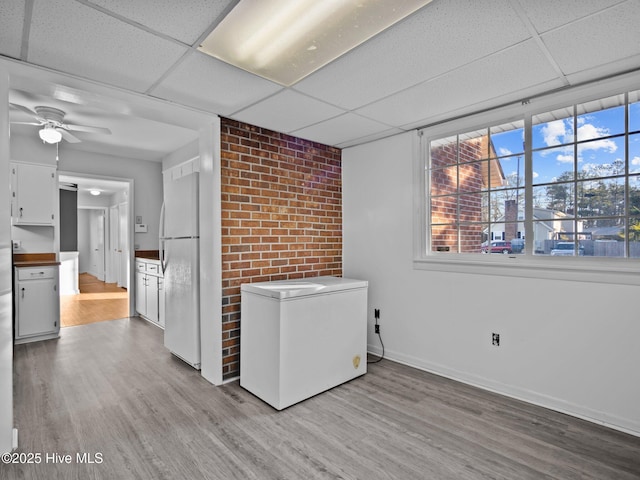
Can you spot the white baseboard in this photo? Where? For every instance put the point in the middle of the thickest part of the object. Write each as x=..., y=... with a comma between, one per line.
x=625, y=425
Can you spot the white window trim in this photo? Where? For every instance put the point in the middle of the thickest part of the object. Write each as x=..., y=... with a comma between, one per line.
x=624, y=271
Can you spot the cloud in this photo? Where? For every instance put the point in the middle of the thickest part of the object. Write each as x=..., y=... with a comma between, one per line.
x=589, y=131
x=635, y=161
x=555, y=133
x=536, y=174
x=504, y=152
x=565, y=158
x=559, y=132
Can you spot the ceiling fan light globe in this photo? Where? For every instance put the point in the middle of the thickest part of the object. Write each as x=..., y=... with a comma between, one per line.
x=50, y=135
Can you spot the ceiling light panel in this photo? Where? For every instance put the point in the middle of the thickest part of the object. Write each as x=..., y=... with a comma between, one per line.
x=286, y=40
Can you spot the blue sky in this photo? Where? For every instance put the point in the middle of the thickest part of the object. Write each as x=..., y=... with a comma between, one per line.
x=598, y=152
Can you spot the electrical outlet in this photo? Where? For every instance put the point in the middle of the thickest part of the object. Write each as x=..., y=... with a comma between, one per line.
x=17, y=244
x=495, y=339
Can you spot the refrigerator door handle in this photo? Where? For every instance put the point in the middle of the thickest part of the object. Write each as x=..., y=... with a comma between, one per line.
x=161, y=240
x=163, y=260
x=161, y=229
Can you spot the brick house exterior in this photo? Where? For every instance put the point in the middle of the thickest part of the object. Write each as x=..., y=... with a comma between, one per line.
x=455, y=168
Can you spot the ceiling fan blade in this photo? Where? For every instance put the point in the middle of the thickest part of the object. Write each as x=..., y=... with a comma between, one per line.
x=86, y=128
x=28, y=111
x=67, y=136
x=25, y=123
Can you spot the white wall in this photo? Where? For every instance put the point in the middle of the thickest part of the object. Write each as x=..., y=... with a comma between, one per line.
x=181, y=155
x=6, y=295
x=570, y=346
x=147, y=177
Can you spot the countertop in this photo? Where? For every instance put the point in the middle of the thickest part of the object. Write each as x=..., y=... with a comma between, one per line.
x=147, y=254
x=35, y=260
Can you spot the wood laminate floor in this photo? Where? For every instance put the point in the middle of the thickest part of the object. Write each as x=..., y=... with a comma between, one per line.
x=111, y=391
x=97, y=301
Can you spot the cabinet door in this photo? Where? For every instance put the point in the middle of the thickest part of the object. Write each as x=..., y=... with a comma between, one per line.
x=141, y=293
x=34, y=192
x=36, y=303
x=152, y=298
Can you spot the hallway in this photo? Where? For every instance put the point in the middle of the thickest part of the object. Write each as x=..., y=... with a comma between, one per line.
x=98, y=301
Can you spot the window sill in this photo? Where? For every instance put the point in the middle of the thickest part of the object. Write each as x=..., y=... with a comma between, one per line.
x=598, y=270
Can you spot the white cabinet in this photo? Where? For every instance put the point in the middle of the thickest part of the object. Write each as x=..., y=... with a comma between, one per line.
x=33, y=194
x=150, y=291
x=37, y=304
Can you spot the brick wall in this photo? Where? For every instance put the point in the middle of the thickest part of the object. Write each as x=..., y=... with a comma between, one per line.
x=281, y=216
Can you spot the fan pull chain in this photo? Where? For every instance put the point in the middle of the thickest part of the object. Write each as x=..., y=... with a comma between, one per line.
x=57, y=145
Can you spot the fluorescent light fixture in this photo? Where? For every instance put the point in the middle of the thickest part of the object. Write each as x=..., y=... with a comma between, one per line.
x=50, y=135
x=286, y=40
x=95, y=192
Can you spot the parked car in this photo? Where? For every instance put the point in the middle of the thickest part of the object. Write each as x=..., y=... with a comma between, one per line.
x=517, y=245
x=566, y=249
x=497, y=246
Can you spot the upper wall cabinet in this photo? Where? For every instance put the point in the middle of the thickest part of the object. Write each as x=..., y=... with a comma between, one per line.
x=33, y=191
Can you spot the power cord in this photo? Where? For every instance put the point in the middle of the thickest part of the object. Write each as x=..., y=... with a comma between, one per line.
x=376, y=329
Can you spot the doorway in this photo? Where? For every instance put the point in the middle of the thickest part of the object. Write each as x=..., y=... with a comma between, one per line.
x=99, y=265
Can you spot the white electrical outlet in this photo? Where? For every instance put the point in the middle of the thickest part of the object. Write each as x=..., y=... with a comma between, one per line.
x=17, y=244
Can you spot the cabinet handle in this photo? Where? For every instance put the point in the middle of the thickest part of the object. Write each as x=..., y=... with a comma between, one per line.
x=20, y=212
x=22, y=292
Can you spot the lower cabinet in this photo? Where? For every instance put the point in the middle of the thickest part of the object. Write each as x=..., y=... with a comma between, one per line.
x=149, y=291
x=37, y=304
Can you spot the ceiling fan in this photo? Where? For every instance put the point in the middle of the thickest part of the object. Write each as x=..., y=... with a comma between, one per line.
x=54, y=130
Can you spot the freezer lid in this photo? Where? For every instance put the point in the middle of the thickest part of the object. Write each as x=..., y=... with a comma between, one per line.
x=302, y=287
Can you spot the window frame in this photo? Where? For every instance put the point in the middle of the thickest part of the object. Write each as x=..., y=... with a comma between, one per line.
x=587, y=269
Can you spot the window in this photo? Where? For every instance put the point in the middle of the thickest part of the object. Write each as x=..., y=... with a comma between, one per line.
x=562, y=182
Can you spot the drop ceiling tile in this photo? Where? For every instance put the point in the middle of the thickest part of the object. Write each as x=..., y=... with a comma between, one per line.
x=440, y=37
x=11, y=21
x=71, y=37
x=597, y=40
x=206, y=83
x=603, y=71
x=520, y=70
x=548, y=14
x=287, y=111
x=341, y=129
x=369, y=138
x=185, y=20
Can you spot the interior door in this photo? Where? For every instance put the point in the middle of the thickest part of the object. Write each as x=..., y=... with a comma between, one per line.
x=96, y=243
x=123, y=251
x=113, y=259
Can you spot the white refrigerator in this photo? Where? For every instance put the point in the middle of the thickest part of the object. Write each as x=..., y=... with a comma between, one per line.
x=179, y=255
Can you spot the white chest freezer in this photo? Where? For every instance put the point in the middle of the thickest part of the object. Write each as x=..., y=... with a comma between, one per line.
x=301, y=337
